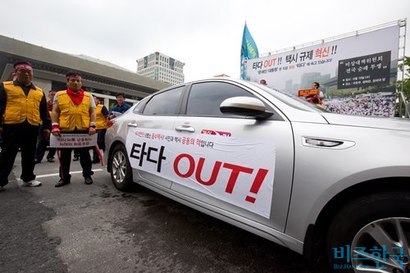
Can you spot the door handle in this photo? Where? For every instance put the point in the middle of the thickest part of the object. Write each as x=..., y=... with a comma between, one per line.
x=132, y=124
x=185, y=128
x=327, y=143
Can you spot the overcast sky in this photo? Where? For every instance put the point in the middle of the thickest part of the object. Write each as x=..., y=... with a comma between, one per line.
x=205, y=35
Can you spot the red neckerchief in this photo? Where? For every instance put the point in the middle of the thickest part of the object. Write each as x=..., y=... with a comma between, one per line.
x=76, y=97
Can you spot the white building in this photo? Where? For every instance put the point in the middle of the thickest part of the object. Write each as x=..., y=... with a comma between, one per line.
x=162, y=68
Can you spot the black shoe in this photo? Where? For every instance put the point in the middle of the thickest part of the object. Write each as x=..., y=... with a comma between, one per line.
x=88, y=180
x=76, y=158
x=62, y=183
x=50, y=159
x=95, y=161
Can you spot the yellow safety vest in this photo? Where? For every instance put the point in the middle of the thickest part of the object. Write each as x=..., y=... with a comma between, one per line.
x=21, y=107
x=101, y=120
x=73, y=117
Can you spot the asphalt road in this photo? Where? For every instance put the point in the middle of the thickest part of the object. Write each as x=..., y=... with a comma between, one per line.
x=96, y=228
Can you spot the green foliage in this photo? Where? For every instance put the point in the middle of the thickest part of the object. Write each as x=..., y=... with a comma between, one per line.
x=405, y=66
x=406, y=88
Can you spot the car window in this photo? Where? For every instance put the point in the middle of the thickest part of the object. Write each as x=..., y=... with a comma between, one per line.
x=140, y=105
x=292, y=100
x=205, y=98
x=164, y=103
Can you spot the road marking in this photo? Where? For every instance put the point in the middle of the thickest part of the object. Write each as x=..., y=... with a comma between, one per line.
x=57, y=174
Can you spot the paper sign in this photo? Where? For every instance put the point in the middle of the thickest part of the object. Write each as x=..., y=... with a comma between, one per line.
x=73, y=141
x=306, y=92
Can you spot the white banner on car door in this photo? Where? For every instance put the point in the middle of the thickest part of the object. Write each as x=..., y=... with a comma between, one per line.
x=238, y=171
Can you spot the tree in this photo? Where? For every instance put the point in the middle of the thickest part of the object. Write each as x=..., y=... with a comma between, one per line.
x=405, y=66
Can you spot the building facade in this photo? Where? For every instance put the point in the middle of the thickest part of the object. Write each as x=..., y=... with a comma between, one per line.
x=162, y=68
x=102, y=79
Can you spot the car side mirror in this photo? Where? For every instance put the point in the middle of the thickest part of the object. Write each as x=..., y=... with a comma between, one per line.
x=245, y=106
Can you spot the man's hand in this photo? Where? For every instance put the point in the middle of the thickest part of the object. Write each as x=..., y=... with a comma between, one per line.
x=91, y=131
x=46, y=133
x=55, y=130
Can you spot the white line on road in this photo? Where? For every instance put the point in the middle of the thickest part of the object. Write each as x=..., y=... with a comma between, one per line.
x=57, y=174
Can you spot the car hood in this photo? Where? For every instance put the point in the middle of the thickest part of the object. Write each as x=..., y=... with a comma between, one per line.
x=399, y=124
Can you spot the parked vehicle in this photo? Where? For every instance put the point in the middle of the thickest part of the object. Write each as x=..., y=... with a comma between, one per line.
x=332, y=187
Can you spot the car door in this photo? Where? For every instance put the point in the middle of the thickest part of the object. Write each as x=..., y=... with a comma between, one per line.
x=151, y=119
x=235, y=165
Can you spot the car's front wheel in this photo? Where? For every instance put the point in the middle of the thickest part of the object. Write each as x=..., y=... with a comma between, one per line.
x=121, y=173
x=372, y=234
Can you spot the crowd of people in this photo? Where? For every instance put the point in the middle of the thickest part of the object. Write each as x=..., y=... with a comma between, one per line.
x=375, y=104
x=27, y=118
x=370, y=105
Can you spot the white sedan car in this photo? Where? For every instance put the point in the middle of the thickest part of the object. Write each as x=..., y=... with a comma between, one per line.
x=334, y=188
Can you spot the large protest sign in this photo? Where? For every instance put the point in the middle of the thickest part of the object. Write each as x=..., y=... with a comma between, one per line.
x=356, y=61
x=357, y=72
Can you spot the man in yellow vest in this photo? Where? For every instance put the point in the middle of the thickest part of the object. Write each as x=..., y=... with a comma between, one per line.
x=23, y=108
x=101, y=113
x=74, y=113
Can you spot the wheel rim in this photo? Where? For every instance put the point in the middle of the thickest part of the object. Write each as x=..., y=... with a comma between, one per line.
x=382, y=246
x=119, y=167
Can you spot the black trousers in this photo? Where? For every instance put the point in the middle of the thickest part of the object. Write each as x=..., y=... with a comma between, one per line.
x=100, y=143
x=42, y=146
x=15, y=136
x=85, y=162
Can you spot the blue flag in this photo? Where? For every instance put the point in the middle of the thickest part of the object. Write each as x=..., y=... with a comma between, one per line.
x=249, y=50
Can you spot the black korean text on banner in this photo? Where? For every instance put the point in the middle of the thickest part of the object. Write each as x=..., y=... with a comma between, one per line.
x=143, y=152
x=364, y=70
x=73, y=141
x=208, y=163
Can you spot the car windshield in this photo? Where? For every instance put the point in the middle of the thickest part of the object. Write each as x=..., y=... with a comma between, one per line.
x=292, y=100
